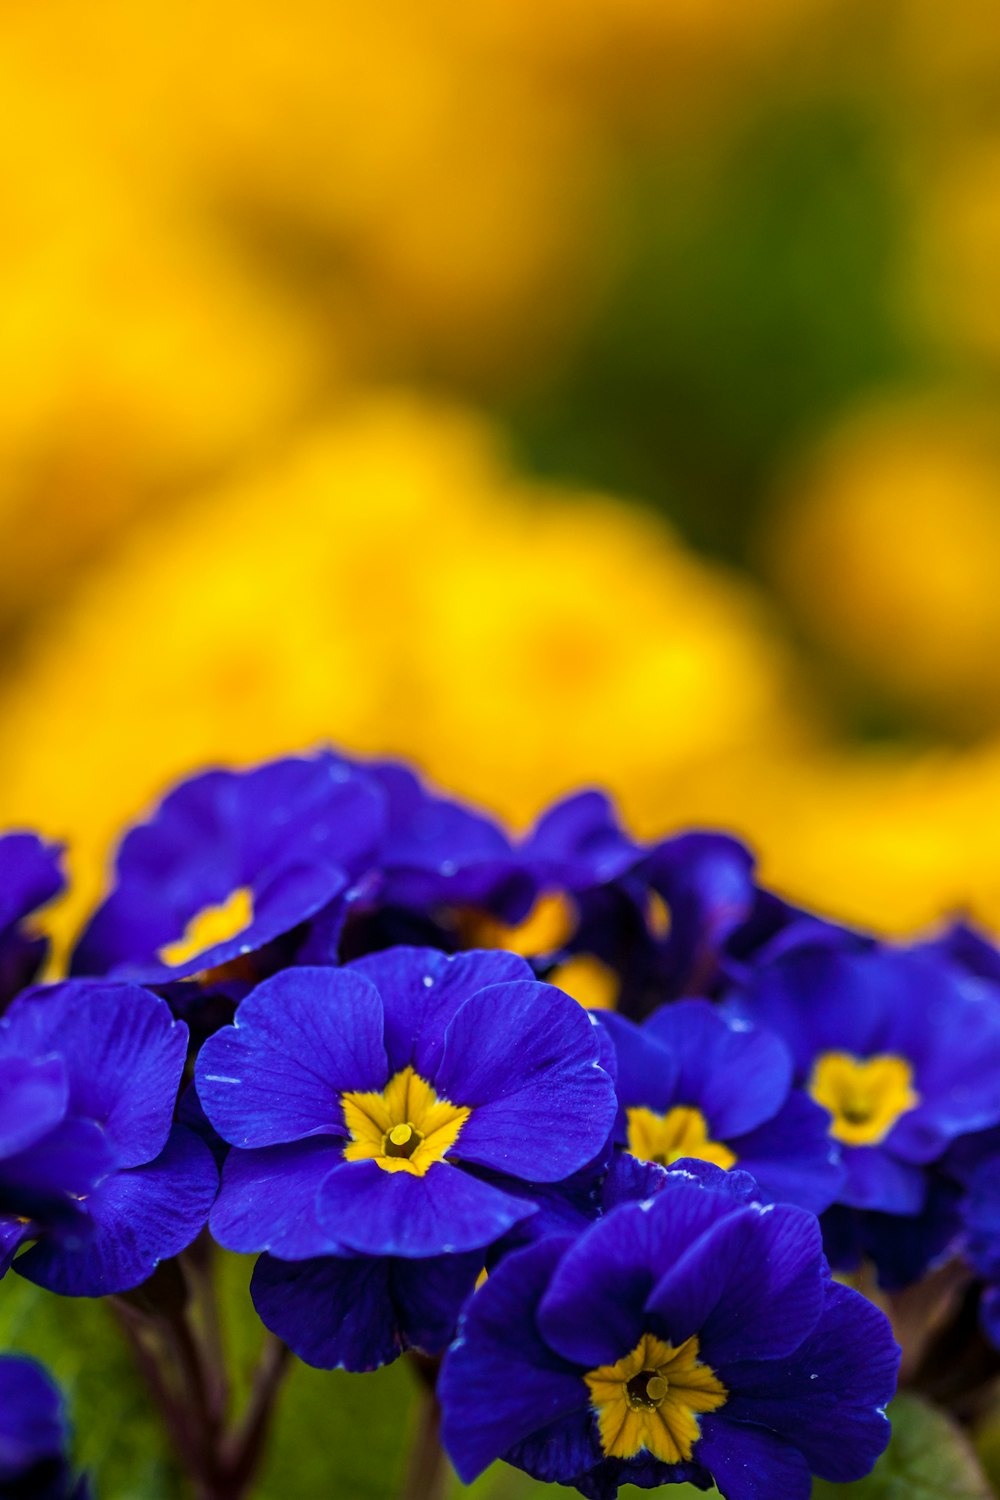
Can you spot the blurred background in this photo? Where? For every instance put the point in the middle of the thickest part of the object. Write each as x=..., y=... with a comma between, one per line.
x=604, y=391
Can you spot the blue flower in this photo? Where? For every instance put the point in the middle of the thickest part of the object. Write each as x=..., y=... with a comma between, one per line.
x=30, y=876
x=625, y=925
x=34, y=1435
x=359, y=1312
x=230, y=862
x=381, y=1107
x=693, y=1083
x=103, y=1061
x=901, y=1048
x=694, y=1337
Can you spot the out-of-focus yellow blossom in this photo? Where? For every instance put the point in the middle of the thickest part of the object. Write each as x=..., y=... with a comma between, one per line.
x=892, y=840
x=134, y=356
x=888, y=547
x=389, y=584
x=957, y=282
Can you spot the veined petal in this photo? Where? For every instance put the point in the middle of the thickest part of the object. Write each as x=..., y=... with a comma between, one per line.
x=524, y=1058
x=396, y=1213
x=300, y=1040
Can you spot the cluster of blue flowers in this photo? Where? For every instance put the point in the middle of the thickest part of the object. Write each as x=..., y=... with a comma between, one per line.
x=586, y=1120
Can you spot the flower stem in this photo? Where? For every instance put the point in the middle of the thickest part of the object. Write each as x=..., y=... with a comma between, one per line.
x=428, y=1472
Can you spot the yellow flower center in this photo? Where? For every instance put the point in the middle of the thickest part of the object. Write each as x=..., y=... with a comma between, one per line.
x=406, y=1128
x=682, y=1131
x=587, y=980
x=548, y=926
x=652, y=1399
x=865, y=1096
x=213, y=924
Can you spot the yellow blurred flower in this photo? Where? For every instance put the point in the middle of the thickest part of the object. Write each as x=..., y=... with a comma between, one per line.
x=887, y=545
x=134, y=355
x=389, y=584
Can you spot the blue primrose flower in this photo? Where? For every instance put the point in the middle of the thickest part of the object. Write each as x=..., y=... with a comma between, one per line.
x=625, y=925
x=96, y=1173
x=694, y=1083
x=30, y=876
x=899, y=1047
x=695, y=1336
x=360, y=1312
x=34, y=1436
x=383, y=1107
x=231, y=862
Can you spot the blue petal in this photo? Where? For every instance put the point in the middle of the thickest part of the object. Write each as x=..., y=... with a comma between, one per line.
x=821, y=999
x=646, y=1071
x=421, y=990
x=564, y=1451
x=300, y=1040
x=793, y=1156
x=737, y=1076
x=140, y=1217
x=579, y=842
x=33, y=1098
x=334, y=1314
x=124, y=1056
x=46, y=1182
x=13, y=1234
x=500, y=1383
x=748, y=1463
x=268, y=1199
x=32, y=1418
x=524, y=1056
x=397, y=1213
x=875, y=1179
x=359, y=1313
x=751, y=1288
x=594, y=1309
x=828, y=1398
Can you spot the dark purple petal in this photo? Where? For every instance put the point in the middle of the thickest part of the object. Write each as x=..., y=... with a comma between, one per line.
x=334, y=1314
x=267, y=1200
x=793, y=1156
x=30, y=875
x=500, y=1382
x=646, y=1070
x=300, y=1040
x=124, y=1055
x=32, y=1418
x=524, y=1056
x=46, y=1182
x=829, y=1397
x=140, y=1217
x=748, y=1463
x=706, y=880
x=752, y=1287
x=359, y=1313
x=397, y=1213
x=874, y=1179
x=593, y=1312
x=13, y=1234
x=421, y=991
x=579, y=842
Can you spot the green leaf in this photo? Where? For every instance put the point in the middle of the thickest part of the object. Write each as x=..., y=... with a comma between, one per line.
x=928, y=1458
